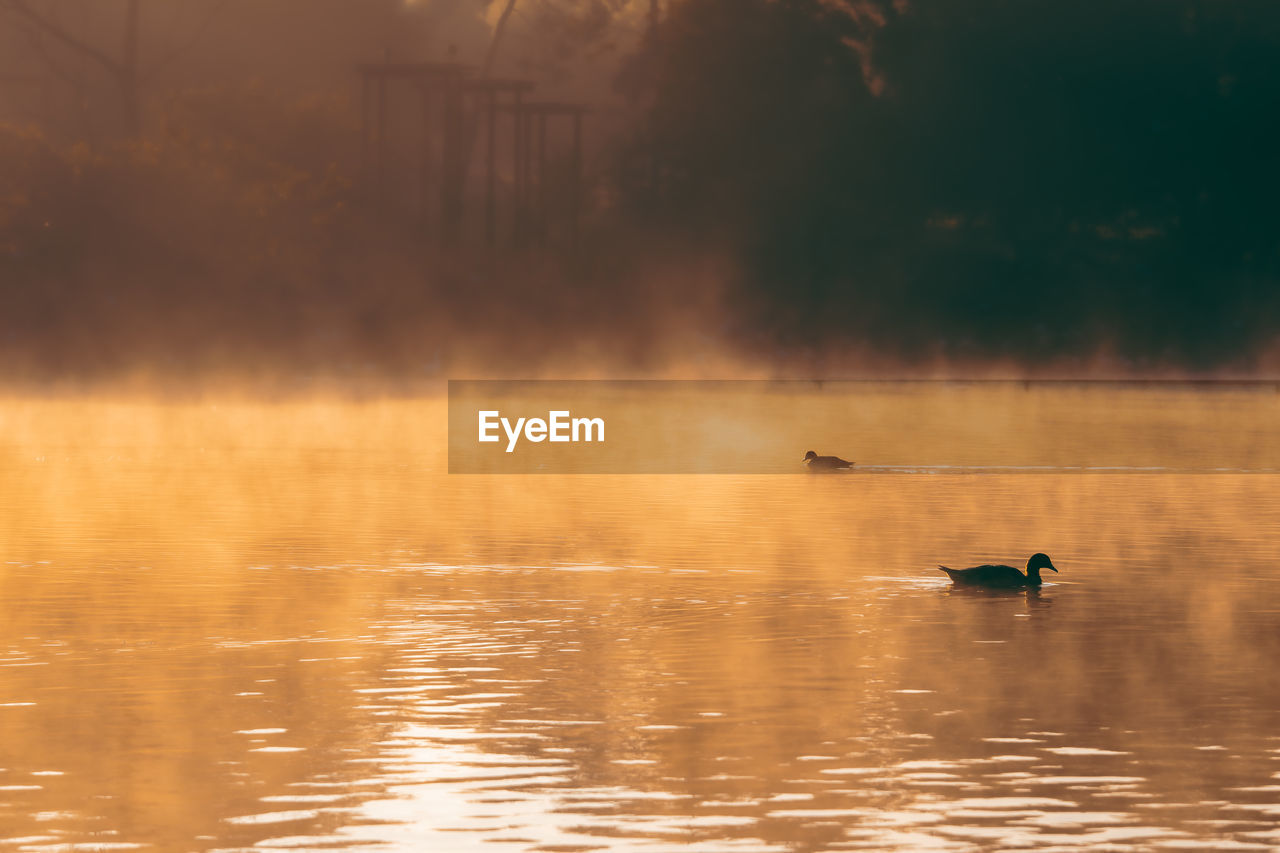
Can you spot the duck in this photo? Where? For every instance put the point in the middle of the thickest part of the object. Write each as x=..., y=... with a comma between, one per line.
x=1002, y=577
x=825, y=463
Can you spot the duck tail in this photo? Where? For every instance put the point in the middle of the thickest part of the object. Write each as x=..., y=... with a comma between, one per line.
x=945, y=569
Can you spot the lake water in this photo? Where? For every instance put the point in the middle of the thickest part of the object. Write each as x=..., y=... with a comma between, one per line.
x=249, y=626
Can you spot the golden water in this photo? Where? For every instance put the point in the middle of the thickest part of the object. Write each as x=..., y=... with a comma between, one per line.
x=282, y=626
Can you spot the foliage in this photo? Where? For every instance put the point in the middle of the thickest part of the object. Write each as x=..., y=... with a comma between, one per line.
x=1031, y=179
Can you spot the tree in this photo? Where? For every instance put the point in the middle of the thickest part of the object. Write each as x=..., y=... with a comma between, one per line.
x=983, y=178
x=44, y=25
x=499, y=30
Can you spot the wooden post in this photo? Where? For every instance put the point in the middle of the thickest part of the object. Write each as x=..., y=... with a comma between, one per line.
x=427, y=173
x=490, y=181
x=526, y=227
x=364, y=126
x=454, y=171
x=517, y=148
x=575, y=201
x=380, y=149
x=542, y=177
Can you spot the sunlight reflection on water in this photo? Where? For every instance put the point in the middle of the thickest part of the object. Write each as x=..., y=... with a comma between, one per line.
x=337, y=651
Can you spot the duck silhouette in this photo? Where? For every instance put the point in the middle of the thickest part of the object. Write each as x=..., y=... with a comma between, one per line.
x=1002, y=577
x=825, y=463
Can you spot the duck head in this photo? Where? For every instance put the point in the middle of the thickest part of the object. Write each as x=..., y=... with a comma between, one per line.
x=1038, y=562
x=810, y=455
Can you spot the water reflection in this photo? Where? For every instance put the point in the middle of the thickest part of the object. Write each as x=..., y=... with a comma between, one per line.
x=319, y=649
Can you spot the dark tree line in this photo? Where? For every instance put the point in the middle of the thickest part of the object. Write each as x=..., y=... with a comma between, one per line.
x=987, y=178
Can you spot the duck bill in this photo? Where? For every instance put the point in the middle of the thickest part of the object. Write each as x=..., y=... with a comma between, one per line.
x=1052, y=569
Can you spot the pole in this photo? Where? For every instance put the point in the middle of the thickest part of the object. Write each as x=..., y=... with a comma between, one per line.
x=490, y=181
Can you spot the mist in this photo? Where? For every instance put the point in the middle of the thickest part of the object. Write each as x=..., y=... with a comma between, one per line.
x=206, y=190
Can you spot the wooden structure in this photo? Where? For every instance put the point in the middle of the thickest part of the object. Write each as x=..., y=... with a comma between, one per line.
x=459, y=112
x=531, y=122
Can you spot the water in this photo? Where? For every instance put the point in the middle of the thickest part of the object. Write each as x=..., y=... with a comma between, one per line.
x=280, y=627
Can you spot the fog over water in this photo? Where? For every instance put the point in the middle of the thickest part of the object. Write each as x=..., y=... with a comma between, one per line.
x=254, y=626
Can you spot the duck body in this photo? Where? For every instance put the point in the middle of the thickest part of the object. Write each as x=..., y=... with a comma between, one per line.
x=1001, y=577
x=825, y=463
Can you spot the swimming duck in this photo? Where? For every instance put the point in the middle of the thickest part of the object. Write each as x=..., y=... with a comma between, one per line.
x=1002, y=576
x=827, y=463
